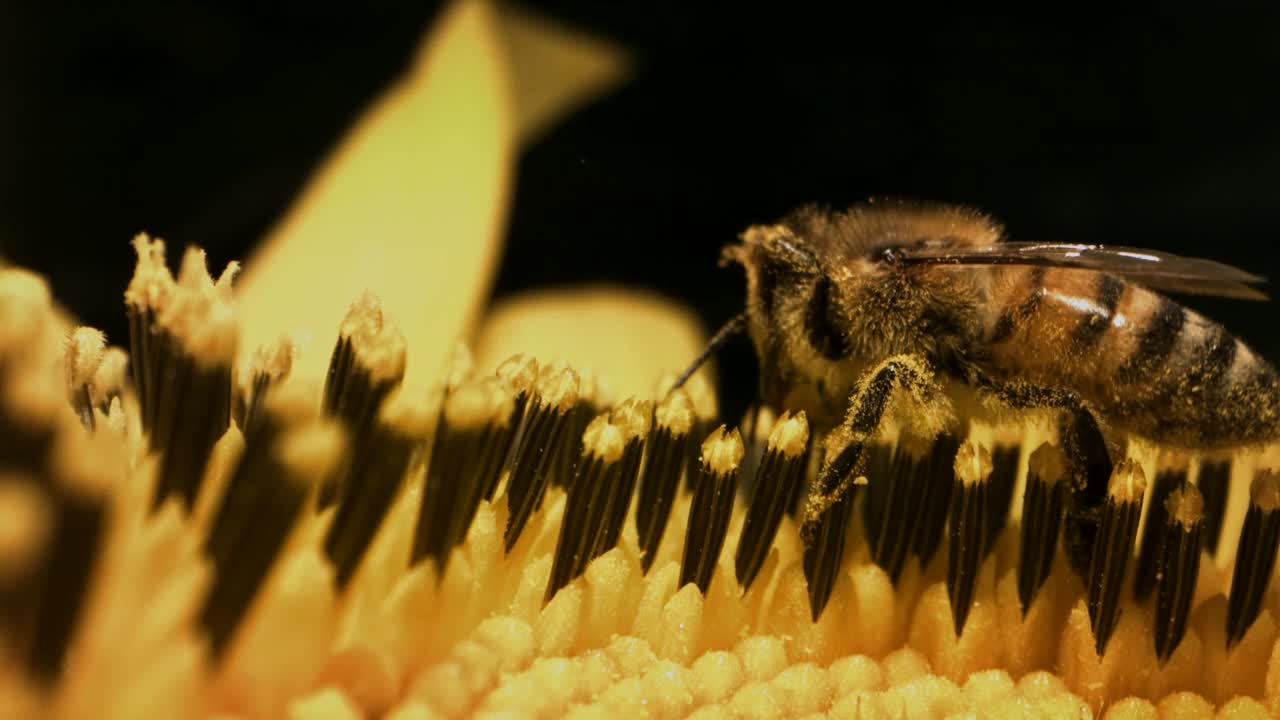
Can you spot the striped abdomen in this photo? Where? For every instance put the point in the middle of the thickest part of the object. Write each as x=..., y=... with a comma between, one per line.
x=1148, y=365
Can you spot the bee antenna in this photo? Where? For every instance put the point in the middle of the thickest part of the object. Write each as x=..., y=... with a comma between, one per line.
x=736, y=324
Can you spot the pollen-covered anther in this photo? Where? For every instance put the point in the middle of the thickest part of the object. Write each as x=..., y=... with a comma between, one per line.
x=634, y=416
x=559, y=390
x=519, y=372
x=152, y=282
x=603, y=440
x=789, y=436
x=84, y=351
x=82, y=356
x=269, y=365
x=200, y=315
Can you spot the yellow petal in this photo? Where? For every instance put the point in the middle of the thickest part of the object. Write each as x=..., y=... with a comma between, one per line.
x=629, y=337
x=554, y=69
x=410, y=206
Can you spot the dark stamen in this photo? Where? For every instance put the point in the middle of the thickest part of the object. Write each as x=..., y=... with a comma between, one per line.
x=598, y=472
x=1091, y=469
x=568, y=449
x=810, y=463
x=673, y=421
x=265, y=496
x=189, y=338
x=970, y=503
x=1213, y=483
x=555, y=402
x=634, y=417
x=148, y=296
x=778, y=479
x=1004, y=478
x=1255, y=555
x=269, y=366
x=470, y=445
x=876, y=497
x=938, y=480
x=1179, y=567
x=831, y=496
x=826, y=523
x=1117, y=532
x=711, y=507
x=82, y=485
x=368, y=362
x=899, y=500
x=1043, y=503
x=824, y=550
x=1150, y=551
x=376, y=472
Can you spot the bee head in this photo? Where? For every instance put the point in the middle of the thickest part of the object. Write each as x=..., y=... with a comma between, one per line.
x=830, y=292
x=800, y=285
x=778, y=264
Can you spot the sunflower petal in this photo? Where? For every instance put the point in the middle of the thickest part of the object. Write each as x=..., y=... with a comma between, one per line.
x=631, y=338
x=555, y=69
x=411, y=205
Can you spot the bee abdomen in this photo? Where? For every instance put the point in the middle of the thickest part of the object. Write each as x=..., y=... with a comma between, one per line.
x=1211, y=391
x=1019, y=307
x=1097, y=320
x=1156, y=341
x=1149, y=365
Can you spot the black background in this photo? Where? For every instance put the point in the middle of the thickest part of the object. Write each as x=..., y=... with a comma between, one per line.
x=199, y=122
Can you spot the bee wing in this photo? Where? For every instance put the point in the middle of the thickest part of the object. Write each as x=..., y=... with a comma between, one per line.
x=1152, y=268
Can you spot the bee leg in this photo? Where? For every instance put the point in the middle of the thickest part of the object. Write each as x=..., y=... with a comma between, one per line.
x=831, y=499
x=1086, y=451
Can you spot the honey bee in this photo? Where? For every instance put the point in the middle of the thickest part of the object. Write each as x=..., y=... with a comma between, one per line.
x=845, y=307
x=832, y=294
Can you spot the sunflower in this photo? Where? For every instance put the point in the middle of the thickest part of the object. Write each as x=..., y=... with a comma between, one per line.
x=298, y=495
